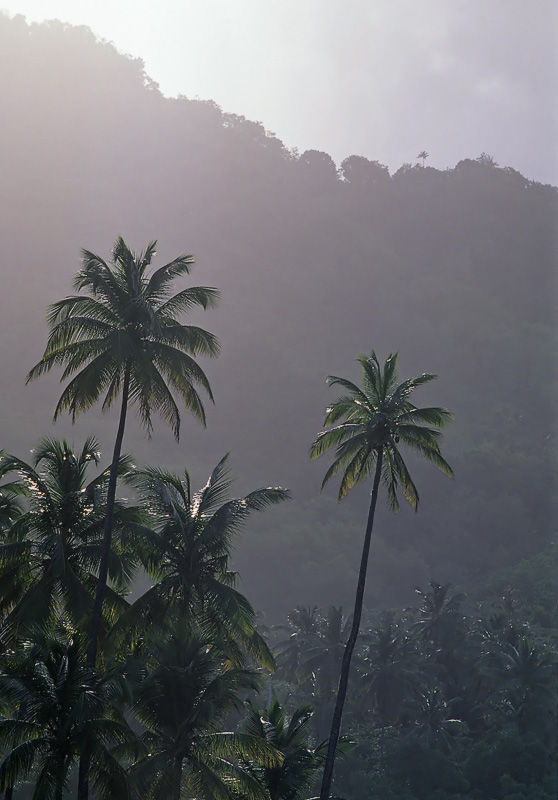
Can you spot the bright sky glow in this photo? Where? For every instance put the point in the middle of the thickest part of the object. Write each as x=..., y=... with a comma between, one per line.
x=380, y=78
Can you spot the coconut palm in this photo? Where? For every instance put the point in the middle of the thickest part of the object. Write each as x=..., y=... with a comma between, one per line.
x=50, y=553
x=387, y=674
x=188, y=552
x=123, y=338
x=291, y=778
x=424, y=155
x=47, y=683
x=321, y=662
x=302, y=630
x=433, y=719
x=191, y=687
x=442, y=629
x=312, y=655
x=367, y=426
x=525, y=678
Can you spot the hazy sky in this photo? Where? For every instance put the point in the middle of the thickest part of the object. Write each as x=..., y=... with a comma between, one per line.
x=380, y=78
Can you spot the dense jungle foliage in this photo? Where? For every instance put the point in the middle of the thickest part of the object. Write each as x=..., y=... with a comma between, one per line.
x=199, y=685
x=452, y=697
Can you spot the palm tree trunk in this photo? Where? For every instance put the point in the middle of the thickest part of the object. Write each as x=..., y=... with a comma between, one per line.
x=83, y=774
x=95, y=622
x=322, y=728
x=177, y=783
x=351, y=641
x=107, y=535
x=59, y=789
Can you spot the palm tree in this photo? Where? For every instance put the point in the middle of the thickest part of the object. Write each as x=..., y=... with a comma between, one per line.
x=47, y=683
x=295, y=774
x=191, y=687
x=442, y=628
x=302, y=629
x=374, y=420
x=123, y=337
x=524, y=676
x=388, y=674
x=188, y=554
x=321, y=662
x=433, y=718
x=50, y=553
x=424, y=155
x=312, y=654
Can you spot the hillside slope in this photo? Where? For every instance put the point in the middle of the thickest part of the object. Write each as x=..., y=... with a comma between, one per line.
x=455, y=269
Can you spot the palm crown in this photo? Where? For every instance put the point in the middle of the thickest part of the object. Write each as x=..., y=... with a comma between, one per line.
x=367, y=426
x=50, y=554
x=126, y=334
x=189, y=549
x=376, y=419
x=125, y=339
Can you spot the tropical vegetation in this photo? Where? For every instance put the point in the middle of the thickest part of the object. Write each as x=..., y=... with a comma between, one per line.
x=367, y=426
x=124, y=338
x=188, y=696
x=452, y=693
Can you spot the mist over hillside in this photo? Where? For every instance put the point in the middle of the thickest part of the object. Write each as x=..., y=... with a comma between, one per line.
x=454, y=269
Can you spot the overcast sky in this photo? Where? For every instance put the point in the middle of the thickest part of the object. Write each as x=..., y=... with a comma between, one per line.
x=379, y=78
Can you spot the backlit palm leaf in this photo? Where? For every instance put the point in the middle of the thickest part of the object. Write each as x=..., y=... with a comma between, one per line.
x=368, y=424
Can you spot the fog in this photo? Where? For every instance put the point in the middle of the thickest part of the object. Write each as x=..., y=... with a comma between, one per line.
x=453, y=268
x=383, y=79
x=321, y=252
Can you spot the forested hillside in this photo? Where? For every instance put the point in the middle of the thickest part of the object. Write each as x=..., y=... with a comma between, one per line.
x=455, y=269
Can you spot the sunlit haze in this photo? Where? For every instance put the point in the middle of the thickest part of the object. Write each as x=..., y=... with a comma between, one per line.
x=379, y=78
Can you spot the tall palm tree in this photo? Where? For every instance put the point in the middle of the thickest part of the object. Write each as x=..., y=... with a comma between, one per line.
x=424, y=155
x=367, y=426
x=188, y=553
x=123, y=337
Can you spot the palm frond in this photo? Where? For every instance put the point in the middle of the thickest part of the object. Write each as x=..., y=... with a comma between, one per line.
x=372, y=420
x=407, y=387
x=17, y=764
x=157, y=286
x=438, y=417
x=354, y=390
x=195, y=296
x=400, y=470
x=336, y=436
x=424, y=441
x=126, y=318
x=84, y=390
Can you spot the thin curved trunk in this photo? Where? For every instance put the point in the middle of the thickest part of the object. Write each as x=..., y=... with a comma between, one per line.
x=59, y=789
x=322, y=728
x=83, y=774
x=95, y=622
x=177, y=779
x=351, y=641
